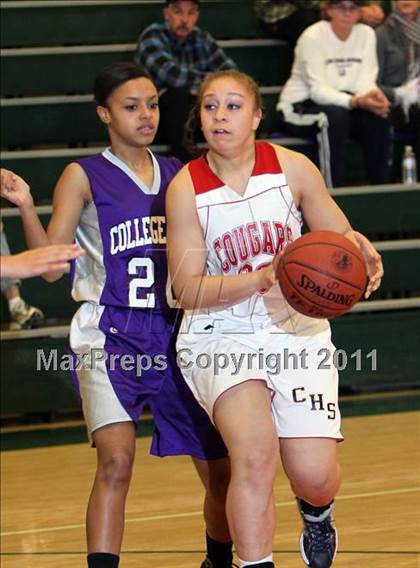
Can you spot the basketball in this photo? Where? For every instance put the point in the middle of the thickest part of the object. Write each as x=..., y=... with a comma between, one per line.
x=322, y=274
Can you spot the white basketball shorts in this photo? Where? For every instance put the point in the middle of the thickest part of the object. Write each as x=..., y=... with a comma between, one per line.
x=298, y=369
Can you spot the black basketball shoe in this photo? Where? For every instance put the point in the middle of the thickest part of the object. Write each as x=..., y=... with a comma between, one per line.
x=318, y=540
x=207, y=563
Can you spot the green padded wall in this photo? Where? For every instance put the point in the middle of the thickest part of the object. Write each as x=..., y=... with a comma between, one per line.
x=24, y=390
x=396, y=337
x=394, y=214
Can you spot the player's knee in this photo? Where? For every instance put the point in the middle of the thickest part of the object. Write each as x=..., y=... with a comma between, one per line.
x=258, y=466
x=115, y=471
x=318, y=487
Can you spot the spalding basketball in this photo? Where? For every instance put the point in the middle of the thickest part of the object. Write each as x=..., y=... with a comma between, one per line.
x=322, y=274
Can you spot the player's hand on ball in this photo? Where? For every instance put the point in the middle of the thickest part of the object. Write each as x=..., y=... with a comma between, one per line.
x=373, y=262
x=268, y=274
x=14, y=188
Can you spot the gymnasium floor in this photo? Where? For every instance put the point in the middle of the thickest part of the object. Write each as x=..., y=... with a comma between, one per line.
x=45, y=490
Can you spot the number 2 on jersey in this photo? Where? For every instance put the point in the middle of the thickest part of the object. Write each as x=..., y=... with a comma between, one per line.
x=138, y=285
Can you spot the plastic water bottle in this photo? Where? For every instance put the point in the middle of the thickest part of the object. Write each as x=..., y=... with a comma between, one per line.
x=409, y=166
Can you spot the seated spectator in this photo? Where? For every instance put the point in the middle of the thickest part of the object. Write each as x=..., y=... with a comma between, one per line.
x=22, y=315
x=332, y=91
x=177, y=55
x=398, y=45
x=287, y=19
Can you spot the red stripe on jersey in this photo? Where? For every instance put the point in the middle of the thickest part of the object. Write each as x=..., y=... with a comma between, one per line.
x=266, y=161
x=202, y=176
x=204, y=179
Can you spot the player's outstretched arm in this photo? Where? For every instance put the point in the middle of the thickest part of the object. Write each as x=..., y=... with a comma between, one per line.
x=71, y=194
x=17, y=191
x=322, y=213
x=187, y=256
x=12, y=185
x=37, y=261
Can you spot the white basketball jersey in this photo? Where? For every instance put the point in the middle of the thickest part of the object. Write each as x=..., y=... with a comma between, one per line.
x=243, y=233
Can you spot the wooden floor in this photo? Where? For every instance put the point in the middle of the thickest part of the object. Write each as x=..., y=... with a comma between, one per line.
x=44, y=494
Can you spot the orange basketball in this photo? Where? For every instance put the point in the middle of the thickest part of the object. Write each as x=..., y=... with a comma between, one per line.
x=322, y=274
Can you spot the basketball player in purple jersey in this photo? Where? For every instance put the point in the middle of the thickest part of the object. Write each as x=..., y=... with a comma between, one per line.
x=112, y=204
x=230, y=213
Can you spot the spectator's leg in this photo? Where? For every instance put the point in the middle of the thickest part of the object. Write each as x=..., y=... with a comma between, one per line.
x=415, y=125
x=374, y=135
x=338, y=134
x=22, y=315
x=9, y=286
x=175, y=104
x=283, y=128
x=410, y=128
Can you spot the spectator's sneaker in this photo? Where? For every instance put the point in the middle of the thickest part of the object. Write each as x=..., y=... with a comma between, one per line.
x=24, y=316
x=319, y=540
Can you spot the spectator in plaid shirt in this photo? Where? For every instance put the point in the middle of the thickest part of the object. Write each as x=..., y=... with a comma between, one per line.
x=178, y=55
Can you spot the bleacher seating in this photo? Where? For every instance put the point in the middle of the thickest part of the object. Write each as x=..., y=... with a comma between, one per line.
x=68, y=70
x=53, y=121
x=51, y=51
x=86, y=22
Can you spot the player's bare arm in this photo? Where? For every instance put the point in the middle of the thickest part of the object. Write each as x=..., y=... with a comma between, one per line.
x=187, y=256
x=71, y=195
x=322, y=213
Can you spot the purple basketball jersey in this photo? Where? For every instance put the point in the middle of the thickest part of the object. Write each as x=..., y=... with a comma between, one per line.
x=124, y=234
x=123, y=279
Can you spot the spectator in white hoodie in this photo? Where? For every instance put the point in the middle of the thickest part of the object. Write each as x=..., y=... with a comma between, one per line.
x=332, y=90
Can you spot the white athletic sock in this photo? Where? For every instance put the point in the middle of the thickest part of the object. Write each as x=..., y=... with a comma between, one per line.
x=243, y=563
x=15, y=303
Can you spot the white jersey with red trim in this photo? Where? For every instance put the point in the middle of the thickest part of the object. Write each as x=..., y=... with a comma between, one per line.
x=242, y=234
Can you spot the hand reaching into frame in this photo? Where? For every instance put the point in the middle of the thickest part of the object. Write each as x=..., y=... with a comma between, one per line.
x=38, y=261
x=14, y=188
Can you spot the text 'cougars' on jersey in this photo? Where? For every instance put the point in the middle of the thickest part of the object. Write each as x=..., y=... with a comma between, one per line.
x=237, y=246
x=138, y=232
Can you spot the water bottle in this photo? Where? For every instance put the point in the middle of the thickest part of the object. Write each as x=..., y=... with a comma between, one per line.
x=409, y=166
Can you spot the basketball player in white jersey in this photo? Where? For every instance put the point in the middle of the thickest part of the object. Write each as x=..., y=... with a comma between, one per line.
x=230, y=214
